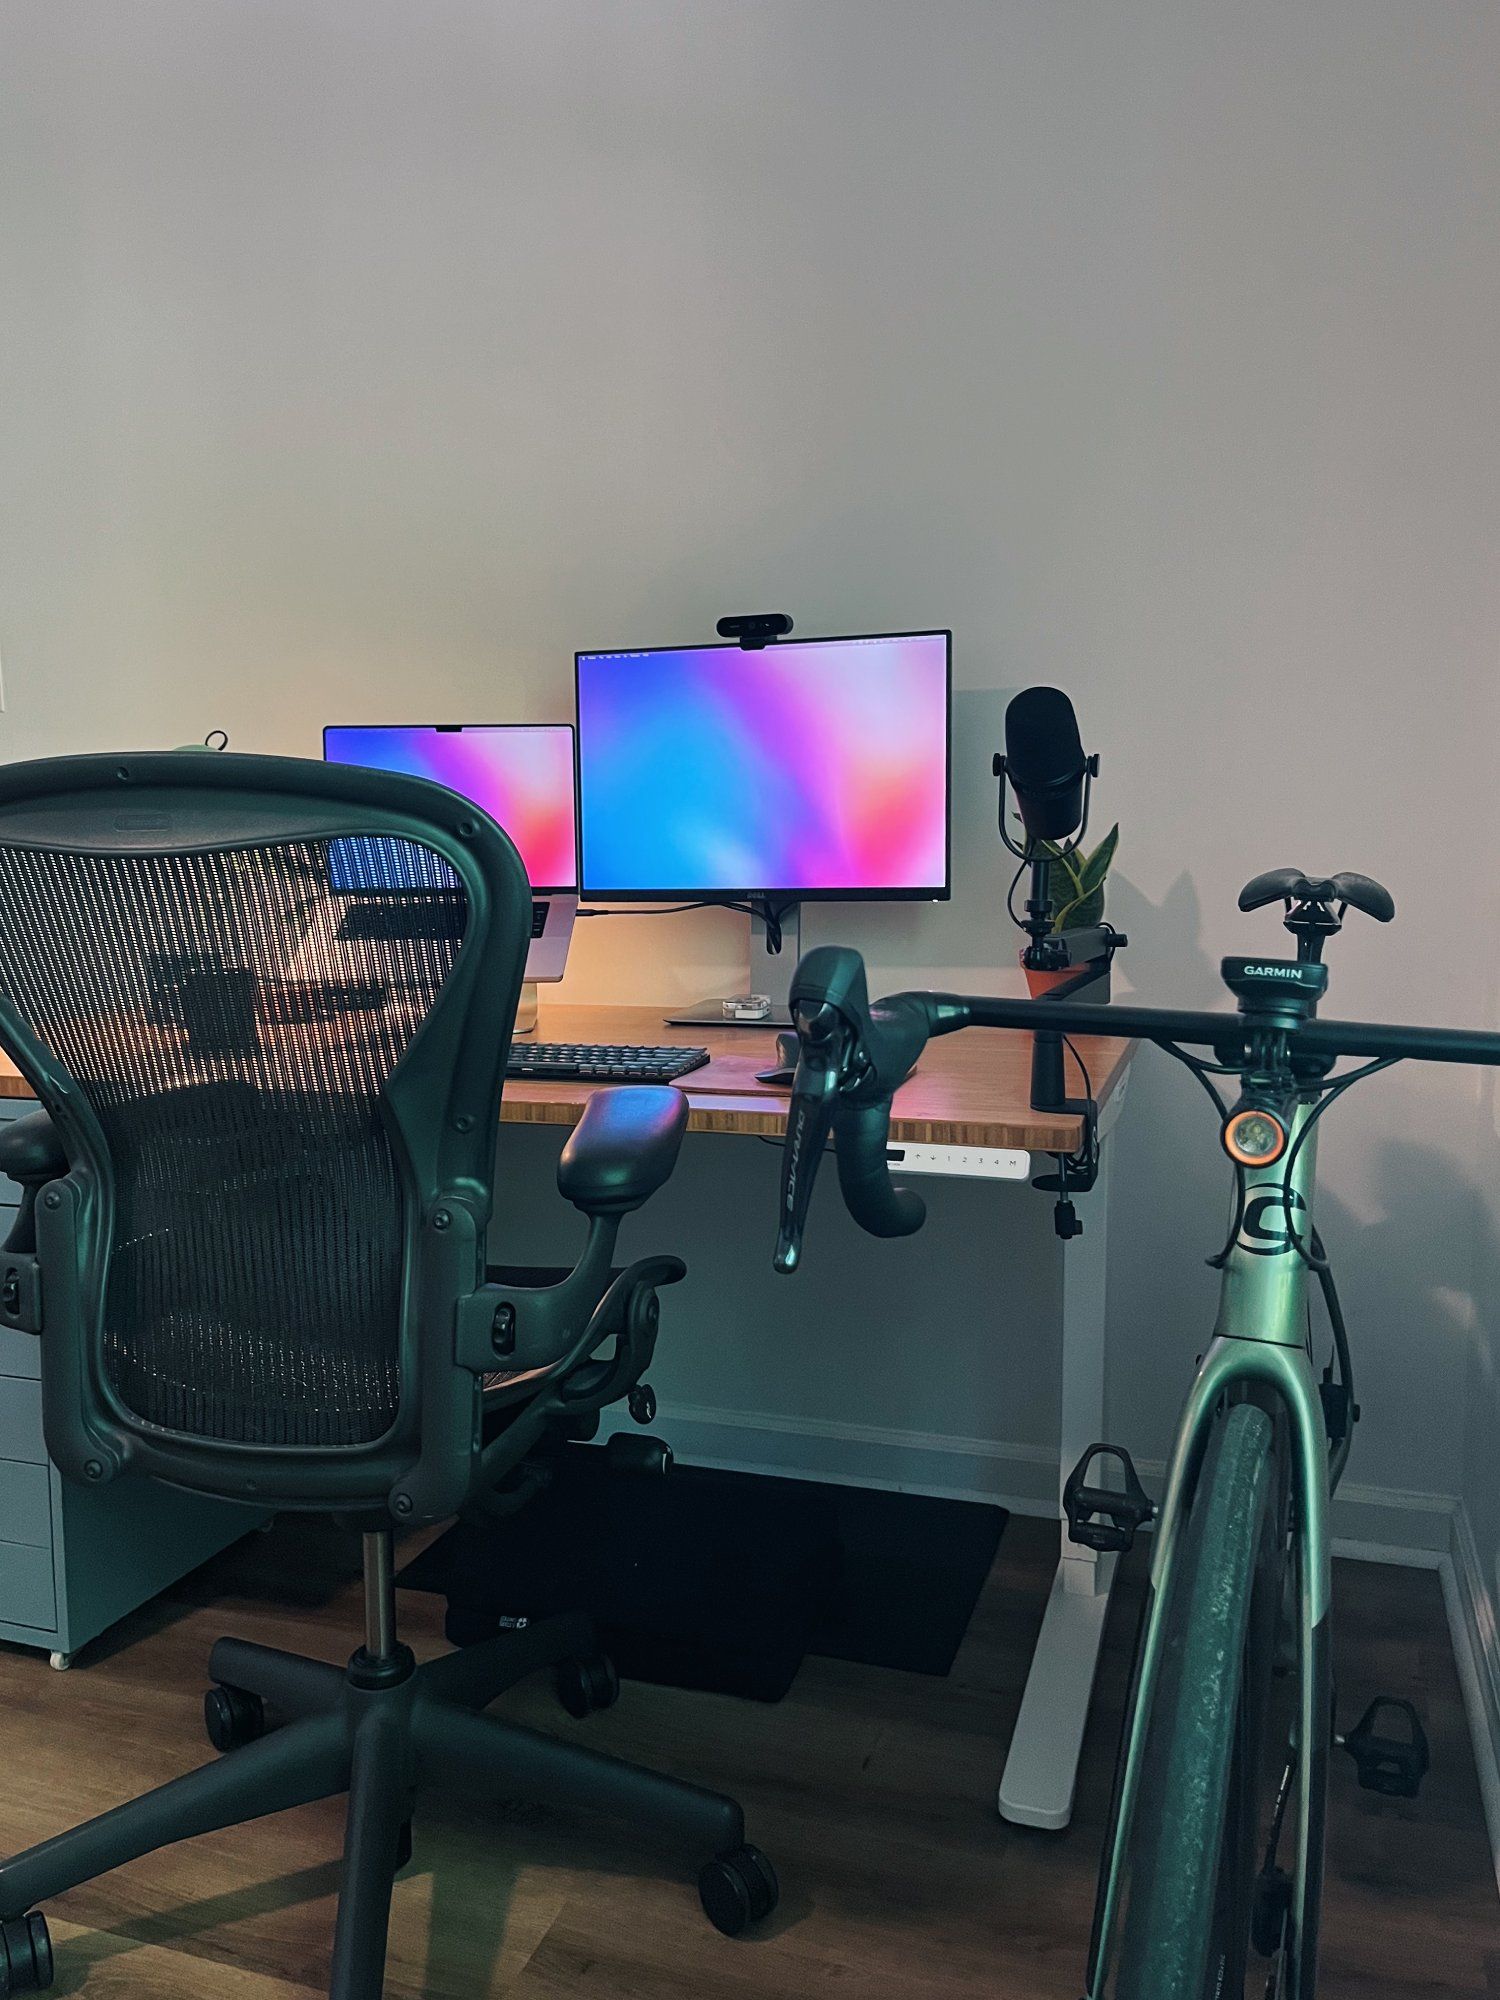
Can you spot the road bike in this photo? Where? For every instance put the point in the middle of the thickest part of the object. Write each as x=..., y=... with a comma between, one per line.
x=1211, y=1878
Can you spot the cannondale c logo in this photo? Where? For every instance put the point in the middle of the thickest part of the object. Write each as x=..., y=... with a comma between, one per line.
x=1263, y=1230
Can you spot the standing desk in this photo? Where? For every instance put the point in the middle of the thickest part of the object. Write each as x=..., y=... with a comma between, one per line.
x=970, y=1091
x=970, y=1094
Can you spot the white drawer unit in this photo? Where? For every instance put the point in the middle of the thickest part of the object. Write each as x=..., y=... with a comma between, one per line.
x=74, y=1560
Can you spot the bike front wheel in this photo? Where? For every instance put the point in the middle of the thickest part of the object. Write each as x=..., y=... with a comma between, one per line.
x=1192, y=1859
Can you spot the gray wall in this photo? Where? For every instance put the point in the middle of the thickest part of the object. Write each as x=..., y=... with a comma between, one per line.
x=362, y=361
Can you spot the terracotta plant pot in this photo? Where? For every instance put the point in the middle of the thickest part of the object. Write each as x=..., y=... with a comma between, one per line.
x=1038, y=983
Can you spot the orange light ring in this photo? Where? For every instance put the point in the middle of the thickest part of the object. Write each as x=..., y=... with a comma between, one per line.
x=1237, y=1153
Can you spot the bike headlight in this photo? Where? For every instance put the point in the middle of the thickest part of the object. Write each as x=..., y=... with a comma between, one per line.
x=1255, y=1135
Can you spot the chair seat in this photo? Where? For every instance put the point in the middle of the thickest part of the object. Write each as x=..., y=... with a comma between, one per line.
x=193, y=1373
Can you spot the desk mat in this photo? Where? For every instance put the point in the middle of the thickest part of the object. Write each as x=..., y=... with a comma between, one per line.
x=724, y=1581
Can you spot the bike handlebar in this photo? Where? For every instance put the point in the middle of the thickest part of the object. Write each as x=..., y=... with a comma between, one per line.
x=1377, y=1040
x=853, y=1057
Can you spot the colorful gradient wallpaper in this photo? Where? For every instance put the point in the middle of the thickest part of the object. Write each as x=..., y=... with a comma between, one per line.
x=818, y=765
x=522, y=777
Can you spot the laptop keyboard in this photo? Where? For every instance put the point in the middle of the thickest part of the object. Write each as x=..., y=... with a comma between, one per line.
x=418, y=917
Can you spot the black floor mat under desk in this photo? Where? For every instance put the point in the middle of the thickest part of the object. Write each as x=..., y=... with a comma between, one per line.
x=724, y=1580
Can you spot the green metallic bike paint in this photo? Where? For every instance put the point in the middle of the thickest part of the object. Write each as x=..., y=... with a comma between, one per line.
x=1259, y=1348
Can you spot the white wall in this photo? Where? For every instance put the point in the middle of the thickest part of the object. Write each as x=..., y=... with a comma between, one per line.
x=363, y=360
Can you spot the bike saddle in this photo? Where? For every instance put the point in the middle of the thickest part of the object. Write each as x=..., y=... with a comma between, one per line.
x=1315, y=906
x=1290, y=885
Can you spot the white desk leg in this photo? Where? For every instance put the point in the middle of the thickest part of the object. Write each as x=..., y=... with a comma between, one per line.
x=1042, y=1768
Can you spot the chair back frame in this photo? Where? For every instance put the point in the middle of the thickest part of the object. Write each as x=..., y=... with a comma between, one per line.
x=440, y=1107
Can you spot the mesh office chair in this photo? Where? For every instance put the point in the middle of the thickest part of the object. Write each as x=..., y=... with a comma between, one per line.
x=252, y=1246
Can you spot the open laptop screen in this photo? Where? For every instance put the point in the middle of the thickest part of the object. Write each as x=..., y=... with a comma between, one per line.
x=519, y=773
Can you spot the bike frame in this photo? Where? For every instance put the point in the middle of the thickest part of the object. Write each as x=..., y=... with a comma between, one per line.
x=1259, y=1349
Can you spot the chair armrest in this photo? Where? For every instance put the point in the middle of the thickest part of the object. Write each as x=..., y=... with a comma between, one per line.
x=30, y=1150
x=623, y=1148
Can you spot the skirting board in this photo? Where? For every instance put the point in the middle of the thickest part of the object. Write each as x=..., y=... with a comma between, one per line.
x=1371, y=1523
x=1020, y=1477
x=1384, y=1524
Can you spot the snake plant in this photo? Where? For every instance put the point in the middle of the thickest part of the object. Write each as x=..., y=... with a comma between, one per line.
x=1076, y=880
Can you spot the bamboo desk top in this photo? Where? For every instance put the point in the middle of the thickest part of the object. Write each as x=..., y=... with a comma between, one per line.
x=970, y=1089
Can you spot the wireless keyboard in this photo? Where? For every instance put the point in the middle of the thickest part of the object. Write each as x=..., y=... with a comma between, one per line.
x=595, y=1062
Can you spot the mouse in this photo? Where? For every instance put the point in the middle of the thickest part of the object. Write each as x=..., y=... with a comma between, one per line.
x=786, y=1062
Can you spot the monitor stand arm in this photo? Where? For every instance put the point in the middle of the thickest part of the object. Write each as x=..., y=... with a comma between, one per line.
x=770, y=971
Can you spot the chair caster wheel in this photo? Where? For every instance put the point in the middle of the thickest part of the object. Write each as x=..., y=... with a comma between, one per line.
x=25, y=1956
x=649, y=1457
x=585, y=1686
x=738, y=1890
x=403, y=1846
x=233, y=1717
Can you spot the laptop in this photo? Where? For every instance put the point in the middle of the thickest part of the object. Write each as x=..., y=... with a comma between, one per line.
x=522, y=776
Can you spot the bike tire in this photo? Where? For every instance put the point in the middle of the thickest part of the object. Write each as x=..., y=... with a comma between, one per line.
x=1185, y=1931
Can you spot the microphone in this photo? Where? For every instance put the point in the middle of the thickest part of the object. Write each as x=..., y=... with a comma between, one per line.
x=1045, y=763
x=1047, y=770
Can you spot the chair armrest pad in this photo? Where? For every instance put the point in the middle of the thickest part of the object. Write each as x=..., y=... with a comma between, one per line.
x=623, y=1148
x=30, y=1150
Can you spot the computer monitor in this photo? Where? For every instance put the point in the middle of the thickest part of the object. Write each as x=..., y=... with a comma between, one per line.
x=809, y=768
x=521, y=774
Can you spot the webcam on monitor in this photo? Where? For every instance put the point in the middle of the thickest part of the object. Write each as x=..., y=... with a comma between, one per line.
x=755, y=628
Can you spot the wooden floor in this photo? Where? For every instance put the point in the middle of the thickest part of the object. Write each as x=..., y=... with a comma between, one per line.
x=872, y=1791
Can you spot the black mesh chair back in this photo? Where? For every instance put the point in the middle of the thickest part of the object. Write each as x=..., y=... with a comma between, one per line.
x=261, y=1111
x=261, y=1275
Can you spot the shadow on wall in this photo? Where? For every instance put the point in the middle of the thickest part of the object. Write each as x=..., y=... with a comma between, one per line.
x=1405, y=1273
x=1168, y=1202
